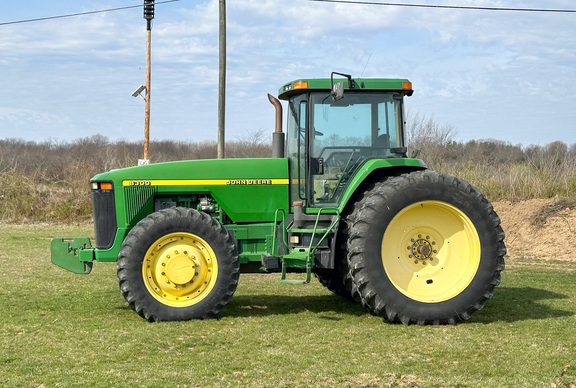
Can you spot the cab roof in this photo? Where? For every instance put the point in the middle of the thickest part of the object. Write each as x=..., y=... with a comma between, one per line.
x=359, y=84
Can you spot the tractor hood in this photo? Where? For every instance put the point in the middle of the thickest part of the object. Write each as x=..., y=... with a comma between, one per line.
x=210, y=169
x=248, y=190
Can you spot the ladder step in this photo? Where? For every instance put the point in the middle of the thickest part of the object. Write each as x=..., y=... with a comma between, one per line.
x=298, y=256
x=309, y=230
x=294, y=281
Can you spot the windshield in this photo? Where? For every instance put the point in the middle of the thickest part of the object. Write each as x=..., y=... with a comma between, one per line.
x=341, y=135
x=357, y=120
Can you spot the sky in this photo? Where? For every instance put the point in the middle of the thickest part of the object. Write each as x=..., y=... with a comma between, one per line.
x=508, y=76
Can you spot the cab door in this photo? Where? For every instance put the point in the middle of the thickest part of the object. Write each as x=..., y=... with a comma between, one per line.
x=296, y=147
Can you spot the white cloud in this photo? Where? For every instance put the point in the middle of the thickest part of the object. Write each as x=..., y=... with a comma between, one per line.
x=19, y=116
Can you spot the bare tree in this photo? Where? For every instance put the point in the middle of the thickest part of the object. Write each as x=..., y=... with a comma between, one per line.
x=429, y=139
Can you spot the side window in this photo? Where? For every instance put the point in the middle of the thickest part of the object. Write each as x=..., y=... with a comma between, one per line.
x=296, y=146
x=390, y=123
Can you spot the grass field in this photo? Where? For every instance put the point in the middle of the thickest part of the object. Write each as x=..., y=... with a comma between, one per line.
x=60, y=330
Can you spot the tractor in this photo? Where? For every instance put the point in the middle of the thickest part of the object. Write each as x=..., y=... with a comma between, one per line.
x=339, y=200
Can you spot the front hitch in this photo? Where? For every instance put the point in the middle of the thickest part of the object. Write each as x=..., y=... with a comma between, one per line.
x=73, y=254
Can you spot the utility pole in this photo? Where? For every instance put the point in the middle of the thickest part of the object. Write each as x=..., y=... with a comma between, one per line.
x=148, y=15
x=222, y=81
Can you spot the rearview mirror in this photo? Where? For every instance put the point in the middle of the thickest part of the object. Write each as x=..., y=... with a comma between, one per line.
x=338, y=91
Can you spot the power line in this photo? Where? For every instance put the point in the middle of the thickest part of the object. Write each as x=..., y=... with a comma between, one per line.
x=80, y=13
x=356, y=2
x=448, y=6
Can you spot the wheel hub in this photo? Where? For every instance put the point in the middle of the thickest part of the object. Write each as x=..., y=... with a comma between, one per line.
x=180, y=267
x=422, y=249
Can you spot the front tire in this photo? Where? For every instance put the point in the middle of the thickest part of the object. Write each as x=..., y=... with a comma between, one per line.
x=425, y=248
x=177, y=264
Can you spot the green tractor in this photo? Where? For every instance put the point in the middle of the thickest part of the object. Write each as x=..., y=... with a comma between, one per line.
x=339, y=199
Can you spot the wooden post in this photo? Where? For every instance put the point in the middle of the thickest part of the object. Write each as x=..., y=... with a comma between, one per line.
x=222, y=82
x=148, y=15
x=147, y=99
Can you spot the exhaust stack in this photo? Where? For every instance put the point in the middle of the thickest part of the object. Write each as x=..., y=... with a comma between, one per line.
x=278, y=136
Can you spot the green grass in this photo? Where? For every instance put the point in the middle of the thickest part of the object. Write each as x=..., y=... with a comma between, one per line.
x=58, y=329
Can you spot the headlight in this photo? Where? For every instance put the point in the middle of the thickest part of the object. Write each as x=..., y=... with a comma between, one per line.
x=101, y=185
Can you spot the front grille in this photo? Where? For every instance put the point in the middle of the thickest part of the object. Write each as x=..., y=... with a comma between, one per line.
x=136, y=198
x=104, y=213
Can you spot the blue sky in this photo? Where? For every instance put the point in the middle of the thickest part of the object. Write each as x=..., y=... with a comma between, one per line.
x=509, y=76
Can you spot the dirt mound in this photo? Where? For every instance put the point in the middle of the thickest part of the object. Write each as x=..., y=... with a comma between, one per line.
x=539, y=228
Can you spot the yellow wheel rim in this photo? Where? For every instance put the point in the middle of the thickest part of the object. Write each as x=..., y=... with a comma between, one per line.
x=431, y=251
x=180, y=269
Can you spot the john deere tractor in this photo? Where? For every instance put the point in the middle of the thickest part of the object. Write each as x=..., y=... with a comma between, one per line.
x=339, y=200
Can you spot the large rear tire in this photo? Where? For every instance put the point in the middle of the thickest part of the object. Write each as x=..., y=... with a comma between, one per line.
x=177, y=264
x=425, y=248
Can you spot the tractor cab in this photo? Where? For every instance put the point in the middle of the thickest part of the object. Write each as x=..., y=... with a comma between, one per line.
x=333, y=129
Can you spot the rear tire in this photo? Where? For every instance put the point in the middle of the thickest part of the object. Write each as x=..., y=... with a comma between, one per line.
x=425, y=248
x=333, y=280
x=177, y=264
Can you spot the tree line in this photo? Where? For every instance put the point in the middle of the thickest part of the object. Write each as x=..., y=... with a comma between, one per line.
x=47, y=181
